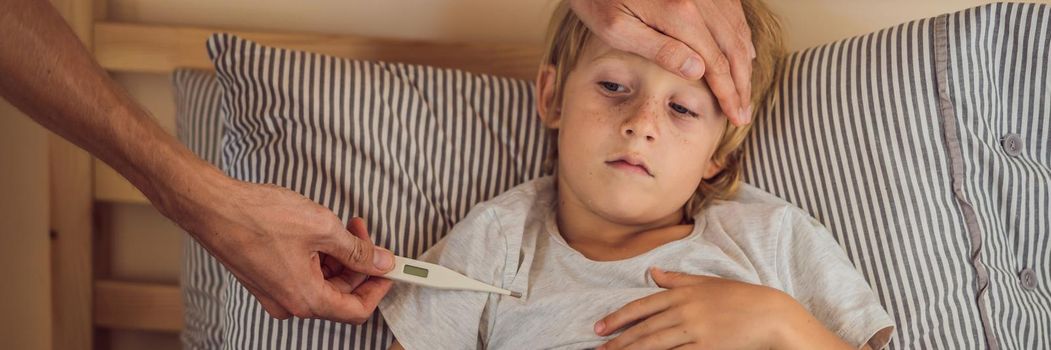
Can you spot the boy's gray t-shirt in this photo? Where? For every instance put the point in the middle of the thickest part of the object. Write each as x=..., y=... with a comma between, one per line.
x=512, y=242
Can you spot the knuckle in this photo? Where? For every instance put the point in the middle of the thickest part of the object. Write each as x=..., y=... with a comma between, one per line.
x=648, y=343
x=632, y=308
x=740, y=51
x=681, y=5
x=743, y=28
x=635, y=306
x=682, y=312
x=719, y=65
x=614, y=21
x=358, y=252
x=615, y=319
x=333, y=228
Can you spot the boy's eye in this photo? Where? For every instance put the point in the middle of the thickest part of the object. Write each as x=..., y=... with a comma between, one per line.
x=681, y=110
x=611, y=86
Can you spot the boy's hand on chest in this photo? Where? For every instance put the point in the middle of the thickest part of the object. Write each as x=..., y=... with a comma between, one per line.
x=719, y=313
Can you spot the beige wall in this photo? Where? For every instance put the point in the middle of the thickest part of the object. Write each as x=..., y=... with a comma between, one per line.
x=808, y=21
x=25, y=298
x=813, y=22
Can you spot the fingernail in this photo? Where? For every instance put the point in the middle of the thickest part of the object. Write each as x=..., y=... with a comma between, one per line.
x=382, y=259
x=691, y=68
x=748, y=114
x=752, y=50
x=599, y=327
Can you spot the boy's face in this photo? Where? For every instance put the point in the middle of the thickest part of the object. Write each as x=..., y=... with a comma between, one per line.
x=634, y=139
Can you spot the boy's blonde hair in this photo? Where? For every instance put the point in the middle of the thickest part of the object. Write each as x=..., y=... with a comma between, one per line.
x=567, y=37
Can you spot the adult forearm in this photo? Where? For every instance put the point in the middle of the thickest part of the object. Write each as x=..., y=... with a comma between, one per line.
x=48, y=74
x=270, y=238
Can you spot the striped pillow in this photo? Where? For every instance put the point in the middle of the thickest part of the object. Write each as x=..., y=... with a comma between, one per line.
x=899, y=141
x=409, y=148
x=894, y=141
x=198, y=125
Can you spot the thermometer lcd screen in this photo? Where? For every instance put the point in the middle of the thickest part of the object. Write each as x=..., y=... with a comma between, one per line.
x=415, y=271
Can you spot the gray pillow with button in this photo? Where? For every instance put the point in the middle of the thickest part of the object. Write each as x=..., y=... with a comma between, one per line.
x=926, y=149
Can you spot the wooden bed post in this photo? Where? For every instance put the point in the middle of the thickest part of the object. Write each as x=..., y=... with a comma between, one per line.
x=71, y=214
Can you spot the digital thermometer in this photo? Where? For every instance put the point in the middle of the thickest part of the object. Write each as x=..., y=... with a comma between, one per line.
x=437, y=276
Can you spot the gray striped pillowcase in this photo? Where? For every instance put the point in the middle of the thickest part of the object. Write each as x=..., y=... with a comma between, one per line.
x=895, y=140
x=858, y=133
x=198, y=126
x=409, y=148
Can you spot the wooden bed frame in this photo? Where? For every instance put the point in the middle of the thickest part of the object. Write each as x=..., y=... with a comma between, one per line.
x=84, y=298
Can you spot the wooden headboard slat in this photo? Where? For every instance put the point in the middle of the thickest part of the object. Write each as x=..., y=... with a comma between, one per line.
x=137, y=306
x=128, y=47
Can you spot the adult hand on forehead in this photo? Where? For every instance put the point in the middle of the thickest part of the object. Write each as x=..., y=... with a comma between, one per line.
x=692, y=38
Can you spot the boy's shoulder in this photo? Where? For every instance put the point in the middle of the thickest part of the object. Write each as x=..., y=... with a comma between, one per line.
x=510, y=210
x=521, y=198
x=752, y=211
x=751, y=199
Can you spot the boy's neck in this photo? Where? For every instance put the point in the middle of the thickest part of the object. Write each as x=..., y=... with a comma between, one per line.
x=602, y=240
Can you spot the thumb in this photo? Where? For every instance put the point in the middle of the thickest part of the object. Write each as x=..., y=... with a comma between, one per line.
x=671, y=279
x=332, y=267
x=357, y=253
x=668, y=52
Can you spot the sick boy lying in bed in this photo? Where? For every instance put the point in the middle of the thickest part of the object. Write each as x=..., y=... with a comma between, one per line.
x=646, y=190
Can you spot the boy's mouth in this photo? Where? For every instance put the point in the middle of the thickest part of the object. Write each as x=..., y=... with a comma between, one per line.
x=630, y=163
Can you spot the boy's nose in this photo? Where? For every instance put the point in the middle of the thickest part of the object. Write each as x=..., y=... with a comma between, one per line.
x=629, y=132
x=642, y=123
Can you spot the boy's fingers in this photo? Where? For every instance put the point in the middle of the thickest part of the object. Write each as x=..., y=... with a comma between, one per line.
x=636, y=310
x=667, y=338
x=643, y=329
x=670, y=279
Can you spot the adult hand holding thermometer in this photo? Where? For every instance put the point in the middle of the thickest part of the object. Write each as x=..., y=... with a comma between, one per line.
x=437, y=276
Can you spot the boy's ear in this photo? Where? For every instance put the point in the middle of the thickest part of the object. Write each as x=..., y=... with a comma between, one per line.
x=550, y=115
